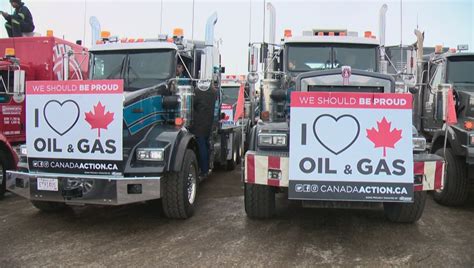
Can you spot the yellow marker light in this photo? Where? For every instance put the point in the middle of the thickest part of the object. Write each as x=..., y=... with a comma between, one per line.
x=49, y=33
x=288, y=33
x=178, y=32
x=104, y=34
x=469, y=125
x=9, y=52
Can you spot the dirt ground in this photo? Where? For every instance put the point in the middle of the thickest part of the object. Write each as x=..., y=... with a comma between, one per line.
x=220, y=234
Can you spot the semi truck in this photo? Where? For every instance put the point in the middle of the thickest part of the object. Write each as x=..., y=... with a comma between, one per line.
x=438, y=73
x=350, y=142
x=127, y=137
x=231, y=86
x=30, y=59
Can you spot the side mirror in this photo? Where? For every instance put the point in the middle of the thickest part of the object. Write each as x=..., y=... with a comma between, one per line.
x=411, y=61
x=442, y=102
x=413, y=90
x=222, y=70
x=253, y=59
x=19, y=82
x=204, y=85
x=66, y=66
x=252, y=78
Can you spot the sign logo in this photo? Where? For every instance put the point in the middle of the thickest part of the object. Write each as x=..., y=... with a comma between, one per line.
x=69, y=110
x=99, y=119
x=384, y=137
x=346, y=124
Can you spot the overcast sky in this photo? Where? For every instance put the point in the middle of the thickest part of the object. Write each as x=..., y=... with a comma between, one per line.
x=444, y=22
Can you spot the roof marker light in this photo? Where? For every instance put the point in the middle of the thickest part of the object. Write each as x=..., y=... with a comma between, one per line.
x=104, y=34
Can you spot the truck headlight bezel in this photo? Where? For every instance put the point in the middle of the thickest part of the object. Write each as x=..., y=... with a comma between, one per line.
x=419, y=144
x=150, y=154
x=23, y=151
x=273, y=140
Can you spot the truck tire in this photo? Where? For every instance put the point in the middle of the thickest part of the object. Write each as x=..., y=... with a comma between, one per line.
x=49, y=207
x=180, y=189
x=3, y=174
x=231, y=164
x=406, y=213
x=259, y=201
x=238, y=159
x=456, y=190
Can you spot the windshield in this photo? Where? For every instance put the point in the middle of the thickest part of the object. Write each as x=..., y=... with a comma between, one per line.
x=230, y=94
x=309, y=57
x=460, y=70
x=138, y=69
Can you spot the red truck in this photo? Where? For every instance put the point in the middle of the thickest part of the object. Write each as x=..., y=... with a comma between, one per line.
x=30, y=59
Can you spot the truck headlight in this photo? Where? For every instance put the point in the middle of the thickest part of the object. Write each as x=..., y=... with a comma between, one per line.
x=272, y=140
x=419, y=144
x=23, y=150
x=471, y=139
x=151, y=154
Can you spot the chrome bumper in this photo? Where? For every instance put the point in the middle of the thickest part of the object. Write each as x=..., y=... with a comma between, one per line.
x=83, y=189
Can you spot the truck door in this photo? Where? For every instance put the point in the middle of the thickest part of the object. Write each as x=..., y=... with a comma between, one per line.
x=436, y=74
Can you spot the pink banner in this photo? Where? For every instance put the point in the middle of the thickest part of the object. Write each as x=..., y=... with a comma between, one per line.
x=74, y=87
x=351, y=100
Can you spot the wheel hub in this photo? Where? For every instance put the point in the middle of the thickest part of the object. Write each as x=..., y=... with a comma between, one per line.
x=191, y=184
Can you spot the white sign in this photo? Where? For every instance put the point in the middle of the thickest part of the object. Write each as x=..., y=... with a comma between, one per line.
x=75, y=126
x=349, y=146
x=228, y=112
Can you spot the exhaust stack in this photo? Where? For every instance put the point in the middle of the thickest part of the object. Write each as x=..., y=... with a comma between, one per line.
x=95, y=29
x=272, y=22
x=207, y=71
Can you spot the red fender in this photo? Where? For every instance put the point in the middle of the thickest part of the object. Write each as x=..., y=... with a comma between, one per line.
x=14, y=156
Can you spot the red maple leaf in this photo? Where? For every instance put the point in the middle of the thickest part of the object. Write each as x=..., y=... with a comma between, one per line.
x=384, y=137
x=98, y=119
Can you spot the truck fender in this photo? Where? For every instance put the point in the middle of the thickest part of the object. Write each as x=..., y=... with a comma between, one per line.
x=452, y=142
x=187, y=141
x=253, y=138
x=7, y=149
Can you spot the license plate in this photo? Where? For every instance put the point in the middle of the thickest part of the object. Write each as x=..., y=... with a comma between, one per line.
x=45, y=184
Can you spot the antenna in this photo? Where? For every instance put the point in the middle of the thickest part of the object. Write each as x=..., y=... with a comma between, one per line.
x=192, y=26
x=401, y=33
x=161, y=17
x=264, y=13
x=417, y=21
x=85, y=22
x=250, y=23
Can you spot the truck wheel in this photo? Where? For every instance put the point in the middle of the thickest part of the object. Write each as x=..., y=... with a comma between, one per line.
x=456, y=190
x=259, y=201
x=49, y=207
x=180, y=189
x=231, y=164
x=406, y=213
x=238, y=158
x=3, y=175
